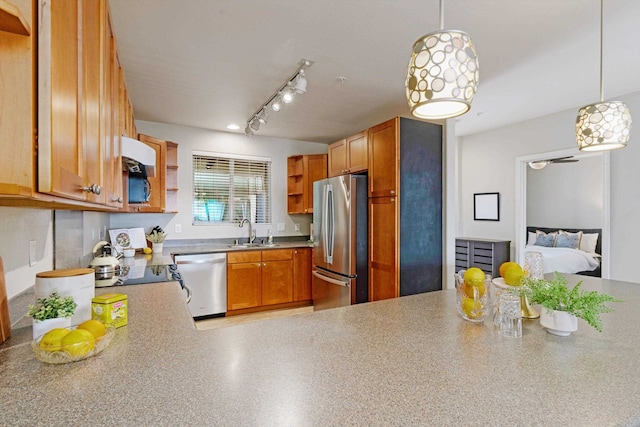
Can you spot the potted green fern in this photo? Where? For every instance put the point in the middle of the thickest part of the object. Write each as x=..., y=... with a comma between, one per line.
x=563, y=306
x=51, y=312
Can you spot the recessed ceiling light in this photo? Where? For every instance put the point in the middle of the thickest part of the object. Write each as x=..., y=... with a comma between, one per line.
x=233, y=126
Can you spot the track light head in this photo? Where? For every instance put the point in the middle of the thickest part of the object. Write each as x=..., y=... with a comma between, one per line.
x=263, y=117
x=300, y=83
x=287, y=96
x=248, y=131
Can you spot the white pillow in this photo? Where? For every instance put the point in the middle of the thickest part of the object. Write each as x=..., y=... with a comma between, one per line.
x=588, y=242
x=531, y=240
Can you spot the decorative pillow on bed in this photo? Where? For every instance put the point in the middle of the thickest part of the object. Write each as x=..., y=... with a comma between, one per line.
x=588, y=242
x=543, y=239
x=531, y=239
x=568, y=240
x=572, y=236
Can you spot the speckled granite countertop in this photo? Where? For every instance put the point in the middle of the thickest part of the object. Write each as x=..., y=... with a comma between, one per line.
x=407, y=361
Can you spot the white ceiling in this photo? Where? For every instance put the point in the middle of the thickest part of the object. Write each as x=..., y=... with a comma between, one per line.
x=208, y=63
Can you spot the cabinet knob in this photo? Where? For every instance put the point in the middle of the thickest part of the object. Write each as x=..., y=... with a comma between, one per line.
x=393, y=192
x=392, y=200
x=93, y=188
x=117, y=199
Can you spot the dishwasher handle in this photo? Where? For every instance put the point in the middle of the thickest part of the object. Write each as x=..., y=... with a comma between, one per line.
x=202, y=261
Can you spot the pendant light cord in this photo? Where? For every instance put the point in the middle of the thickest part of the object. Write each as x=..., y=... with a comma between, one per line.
x=601, y=37
x=441, y=14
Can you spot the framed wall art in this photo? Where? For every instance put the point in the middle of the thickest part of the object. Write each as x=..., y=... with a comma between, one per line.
x=486, y=206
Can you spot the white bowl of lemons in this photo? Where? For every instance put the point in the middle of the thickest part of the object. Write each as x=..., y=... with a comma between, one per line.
x=64, y=345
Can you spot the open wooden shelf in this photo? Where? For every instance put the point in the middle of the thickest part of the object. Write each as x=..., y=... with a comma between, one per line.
x=11, y=19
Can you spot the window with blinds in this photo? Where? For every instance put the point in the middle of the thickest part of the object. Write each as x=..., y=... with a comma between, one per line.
x=228, y=189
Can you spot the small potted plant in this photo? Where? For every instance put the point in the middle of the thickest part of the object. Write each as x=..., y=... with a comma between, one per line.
x=156, y=237
x=562, y=306
x=51, y=312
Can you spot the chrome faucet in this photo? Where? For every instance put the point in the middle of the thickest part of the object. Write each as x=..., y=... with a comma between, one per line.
x=252, y=236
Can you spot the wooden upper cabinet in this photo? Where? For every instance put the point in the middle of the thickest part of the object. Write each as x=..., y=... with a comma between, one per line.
x=337, y=164
x=349, y=155
x=78, y=137
x=302, y=172
x=384, y=144
x=17, y=120
x=112, y=146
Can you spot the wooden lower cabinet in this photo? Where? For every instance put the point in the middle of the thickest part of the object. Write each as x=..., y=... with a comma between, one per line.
x=383, y=274
x=275, y=278
x=244, y=285
x=302, y=274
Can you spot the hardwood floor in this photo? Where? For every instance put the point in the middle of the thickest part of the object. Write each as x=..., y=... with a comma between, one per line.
x=221, y=322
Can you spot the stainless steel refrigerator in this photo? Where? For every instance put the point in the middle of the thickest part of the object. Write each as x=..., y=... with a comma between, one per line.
x=340, y=242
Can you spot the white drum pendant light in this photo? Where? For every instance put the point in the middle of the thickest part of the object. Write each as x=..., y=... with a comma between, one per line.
x=442, y=76
x=603, y=125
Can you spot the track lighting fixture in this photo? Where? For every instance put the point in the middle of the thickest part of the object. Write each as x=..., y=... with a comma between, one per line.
x=296, y=84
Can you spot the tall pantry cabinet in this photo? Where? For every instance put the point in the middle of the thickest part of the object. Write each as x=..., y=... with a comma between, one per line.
x=405, y=208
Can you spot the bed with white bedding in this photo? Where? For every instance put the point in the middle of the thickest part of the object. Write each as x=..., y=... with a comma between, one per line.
x=567, y=250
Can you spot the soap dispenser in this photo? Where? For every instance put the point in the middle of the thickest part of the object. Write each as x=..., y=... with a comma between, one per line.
x=269, y=237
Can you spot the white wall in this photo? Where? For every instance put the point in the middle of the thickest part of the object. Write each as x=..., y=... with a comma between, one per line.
x=566, y=195
x=17, y=227
x=487, y=164
x=190, y=139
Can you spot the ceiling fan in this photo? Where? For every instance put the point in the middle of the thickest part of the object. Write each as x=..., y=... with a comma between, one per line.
x=539, y=164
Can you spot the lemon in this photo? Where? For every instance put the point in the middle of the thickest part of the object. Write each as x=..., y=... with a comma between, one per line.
x=505, y=265
x=471, y=308
x=52, y=340
x=474, y=277
x=468, y=289
x=96, y=327
x=78, y=342
x=513, y=275
x=147, y=250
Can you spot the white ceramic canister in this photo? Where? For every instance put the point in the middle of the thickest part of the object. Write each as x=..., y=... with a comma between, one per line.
x=78, y=283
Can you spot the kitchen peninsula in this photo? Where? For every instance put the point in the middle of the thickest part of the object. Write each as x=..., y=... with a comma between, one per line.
x=405, y=361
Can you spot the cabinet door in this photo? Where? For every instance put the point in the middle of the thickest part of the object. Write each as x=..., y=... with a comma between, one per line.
x=243, y=285
x=383, y=244
x=337, y=162
x=358, y=152
x=302, y=274
x=59, y=163
x=110, y=128
x=315, y=168
x=90, y=98
x=383, y=159
x=277, y=282
x=16, y=103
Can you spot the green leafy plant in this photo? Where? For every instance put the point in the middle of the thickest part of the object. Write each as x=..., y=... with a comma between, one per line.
x=556, y=295
x=157, y=235
x=52, y=307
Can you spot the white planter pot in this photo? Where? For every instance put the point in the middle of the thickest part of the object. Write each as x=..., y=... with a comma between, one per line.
x=41, y=327
x=157, y=248
x=558, y=323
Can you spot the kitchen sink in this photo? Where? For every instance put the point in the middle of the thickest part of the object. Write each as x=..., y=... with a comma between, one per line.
x=253, y=245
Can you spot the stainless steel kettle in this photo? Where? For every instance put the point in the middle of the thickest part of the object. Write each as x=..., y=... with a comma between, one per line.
x=105, y=263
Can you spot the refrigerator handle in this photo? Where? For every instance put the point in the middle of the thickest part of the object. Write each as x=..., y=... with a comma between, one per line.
x=330, y=280
x=324, y=223
x=330, y=218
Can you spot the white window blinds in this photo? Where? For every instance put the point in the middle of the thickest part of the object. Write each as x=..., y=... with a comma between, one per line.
x=227, y=189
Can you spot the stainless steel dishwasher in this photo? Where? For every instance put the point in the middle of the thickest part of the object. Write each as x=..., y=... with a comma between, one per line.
x=206, y=276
